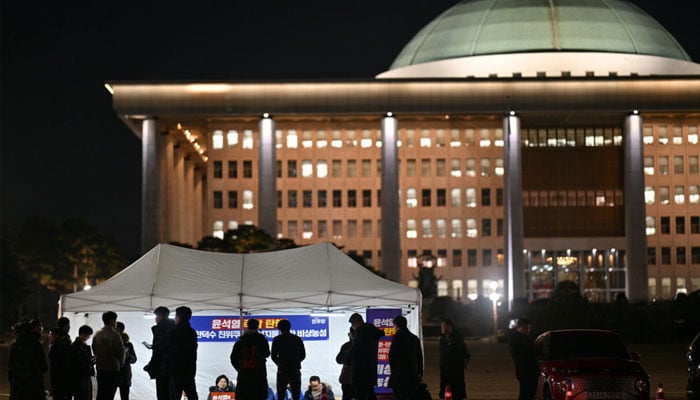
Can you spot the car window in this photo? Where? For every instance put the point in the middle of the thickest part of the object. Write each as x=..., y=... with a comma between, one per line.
x=586, y=345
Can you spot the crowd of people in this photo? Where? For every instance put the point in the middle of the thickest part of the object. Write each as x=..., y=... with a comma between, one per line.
x=174, y=357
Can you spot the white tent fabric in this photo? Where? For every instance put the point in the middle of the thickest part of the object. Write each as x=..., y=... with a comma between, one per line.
x=313, y=280
x=317, y=277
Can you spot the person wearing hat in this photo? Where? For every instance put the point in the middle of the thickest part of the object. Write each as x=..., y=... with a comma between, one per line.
x=527, y=369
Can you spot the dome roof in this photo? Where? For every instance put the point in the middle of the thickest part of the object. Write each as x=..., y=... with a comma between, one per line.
x=488, y=27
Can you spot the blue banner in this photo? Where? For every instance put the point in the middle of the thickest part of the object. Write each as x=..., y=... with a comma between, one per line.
x=212, y=328
x=383, y=318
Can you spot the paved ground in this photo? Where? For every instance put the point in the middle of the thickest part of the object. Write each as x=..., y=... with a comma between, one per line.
x=490, y=374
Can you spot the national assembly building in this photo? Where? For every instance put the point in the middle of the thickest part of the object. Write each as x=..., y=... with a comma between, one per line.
x=512, y=145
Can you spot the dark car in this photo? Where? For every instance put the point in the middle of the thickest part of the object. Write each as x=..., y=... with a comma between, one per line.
x=693, y=388
x=591, y=364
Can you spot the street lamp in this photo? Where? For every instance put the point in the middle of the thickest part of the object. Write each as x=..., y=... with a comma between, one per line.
x=494, y=296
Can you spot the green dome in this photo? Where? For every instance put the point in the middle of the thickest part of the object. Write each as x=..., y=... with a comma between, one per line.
x=487, y=27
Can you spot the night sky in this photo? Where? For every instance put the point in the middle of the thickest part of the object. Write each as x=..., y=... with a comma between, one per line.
x=66, y=154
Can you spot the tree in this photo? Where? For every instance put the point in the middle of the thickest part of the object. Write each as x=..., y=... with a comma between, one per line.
x=15, y=288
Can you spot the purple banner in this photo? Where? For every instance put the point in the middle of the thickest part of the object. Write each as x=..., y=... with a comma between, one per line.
x=383, y=318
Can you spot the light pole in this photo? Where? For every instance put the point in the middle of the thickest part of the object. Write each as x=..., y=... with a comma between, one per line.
x=494, y=296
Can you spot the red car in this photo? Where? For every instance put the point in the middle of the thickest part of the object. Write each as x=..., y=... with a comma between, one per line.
x=591, y=364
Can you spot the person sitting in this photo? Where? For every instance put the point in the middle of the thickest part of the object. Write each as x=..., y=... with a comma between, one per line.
x=223, y=385
x=318, y=390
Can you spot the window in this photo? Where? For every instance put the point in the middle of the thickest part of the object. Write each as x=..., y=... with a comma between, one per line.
x=651, y=255
x=218, y=199
x=677, y=164
x=664, y=196
x=306, y=199
x=486, y=227
x=336, y=139
x=441, y=197
x=470, y=169
x=455, y=139
x=292, y=139
x=648, y=135
x=366, y=228
x=469, y=137
x=425, y=167
x=322, y=141
x=457, y=291
x=440, y=167
x=663, y=165
x=692, y=164
x=247, y=169
x=306, y=139
x=456, y=228
x=680, y=225
x=500, y=258
x=218, y=169
x=651, y=226
x=307, y=169
x=662, y=133
x=411, y=229
x=695, y=255
x=470, y=197
x=680, y=255
x=471, y=258
x=366, y=168
x=321, y=168
x=692, y=135
x=352, y=228
x=366, y=198
x=411, y=200
x=500, y=170
x=427, y=228
x=694, y=224
x=485, y=197
x=337, y=198
x=455, y=167
x=367, y=257
x=441, y=227
x=307, y=227
x=248, y=200
x=499, y=197
x=677, y=134
x=292, y=229
x=247, y=139
x=648, y=165
x=291, y=198
x=649, y=195
x=336, y=166
x=233, y=169
x=485, y=167
x=425, y=198
x=456, y=197
x=472, y=231
x=218, y=229
x=232, y=199
x=486, y=257
x=322, y=198
x=291, y=168
x=665, y=256
x=412, y=259
x=693, y=194
x=411, y=167
x=425, y=138
x=352, y=198
x=366, y=140
x=665, y=223
x=351, y=168
x=679, y=195
x=322, y=229
x=279, y=204
x=456, y=258
x=217, y=140
x=337, y=229
x=484, y=138
x=499, y=227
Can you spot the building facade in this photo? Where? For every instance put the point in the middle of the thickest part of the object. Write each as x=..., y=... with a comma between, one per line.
x=514, y=163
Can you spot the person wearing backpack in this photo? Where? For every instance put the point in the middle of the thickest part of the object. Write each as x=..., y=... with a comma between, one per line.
x=248, y=358
x=288, y=352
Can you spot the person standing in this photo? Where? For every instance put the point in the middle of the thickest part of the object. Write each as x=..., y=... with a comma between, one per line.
x=59, y=355
x=125, y=371
x=287, y=353
x=527, y=369
x=109, y=354
x=154, y=367
x=81, y=365
x=27, y=362
x=454, y=357
x=248, y=358
x=405, y=361
x=179, y=356
x=363, y=357
x=343, y=358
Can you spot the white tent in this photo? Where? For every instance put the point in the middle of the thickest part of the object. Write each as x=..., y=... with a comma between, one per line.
x=317, y=281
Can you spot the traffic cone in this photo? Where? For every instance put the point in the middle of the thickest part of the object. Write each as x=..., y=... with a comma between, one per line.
x=448, y=393
x=660, y=392
x=569, y=395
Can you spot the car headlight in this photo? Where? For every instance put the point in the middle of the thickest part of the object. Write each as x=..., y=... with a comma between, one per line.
x=564, y=385
x=642, y=385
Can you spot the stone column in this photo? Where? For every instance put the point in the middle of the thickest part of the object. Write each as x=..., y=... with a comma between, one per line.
x=513, y=210
x=151, y=148
x=267, y=180
x=636, y=274
x=391, y=229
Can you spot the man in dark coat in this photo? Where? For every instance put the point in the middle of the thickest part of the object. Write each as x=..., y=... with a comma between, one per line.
x=405, y=360
x=124, y=382
x=343, y=358
x=527, y=369
x=82, y=364
x=287, y=353
x=154, y=367
x=248, y=358
x=59, y=356
x=179, y=355
x=27, y=362
x=363, y=357
x=454, y=357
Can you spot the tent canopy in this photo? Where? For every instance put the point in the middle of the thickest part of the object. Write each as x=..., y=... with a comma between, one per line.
x=317, y=277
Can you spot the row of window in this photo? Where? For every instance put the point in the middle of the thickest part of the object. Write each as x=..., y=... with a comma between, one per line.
x=681, y=255
x=573, y=198
x=679, y=166
x=363, y=198
x=472, y=292
x=426, y=138
x=666, y=290
x=456, y=228
x=665, y=225
x=679, y=194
